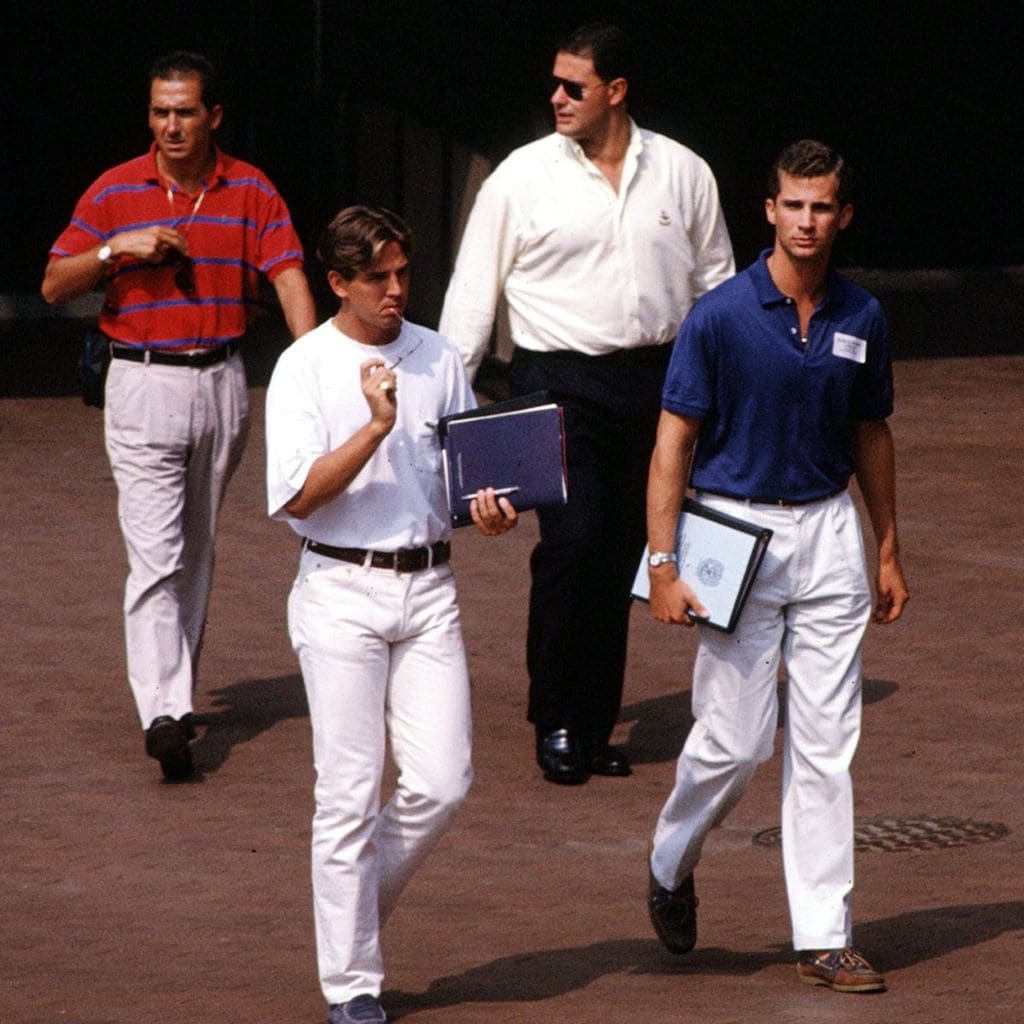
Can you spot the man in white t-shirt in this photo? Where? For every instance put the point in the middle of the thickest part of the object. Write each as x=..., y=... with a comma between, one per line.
x=354, y=467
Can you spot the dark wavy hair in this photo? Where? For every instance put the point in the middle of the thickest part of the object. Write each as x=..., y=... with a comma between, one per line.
x=182, y=64
x=355, y=237
x=607, y=46
x=809, y=158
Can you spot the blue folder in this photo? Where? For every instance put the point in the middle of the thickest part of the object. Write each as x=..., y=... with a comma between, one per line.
x=517, y=447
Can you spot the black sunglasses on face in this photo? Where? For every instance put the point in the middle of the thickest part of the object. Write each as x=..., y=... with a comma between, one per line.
x=574, y=90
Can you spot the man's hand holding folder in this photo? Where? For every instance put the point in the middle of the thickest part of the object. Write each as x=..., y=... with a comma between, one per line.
x=673, y=599
x=514, y=451
x=492, y=512
x=706, y=575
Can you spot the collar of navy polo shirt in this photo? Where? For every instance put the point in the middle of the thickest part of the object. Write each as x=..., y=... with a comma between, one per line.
x=768, y=293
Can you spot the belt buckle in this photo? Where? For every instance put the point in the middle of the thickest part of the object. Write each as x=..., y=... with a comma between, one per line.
x=400, y=561
x=413, y=559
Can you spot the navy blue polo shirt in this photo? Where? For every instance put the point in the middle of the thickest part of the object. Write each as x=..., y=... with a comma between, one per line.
x=778, y=412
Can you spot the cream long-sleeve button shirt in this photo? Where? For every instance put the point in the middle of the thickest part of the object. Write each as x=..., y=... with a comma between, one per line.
x=581, y=267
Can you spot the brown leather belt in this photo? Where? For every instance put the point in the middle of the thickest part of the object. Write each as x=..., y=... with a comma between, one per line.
x=200, y=357
x=402, y=560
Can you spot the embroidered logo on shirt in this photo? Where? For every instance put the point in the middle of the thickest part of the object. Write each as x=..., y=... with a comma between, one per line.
x=847, y=346
x=664, y=219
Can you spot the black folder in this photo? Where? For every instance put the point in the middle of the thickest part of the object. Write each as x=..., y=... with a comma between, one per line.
x=719, y=556
x=515, y=446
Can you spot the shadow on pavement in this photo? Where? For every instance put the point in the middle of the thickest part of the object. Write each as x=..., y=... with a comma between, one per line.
x=907, y=939
x=658, y=727
x=244, y=710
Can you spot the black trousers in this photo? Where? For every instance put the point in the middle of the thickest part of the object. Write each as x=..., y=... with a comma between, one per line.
x=589, y=549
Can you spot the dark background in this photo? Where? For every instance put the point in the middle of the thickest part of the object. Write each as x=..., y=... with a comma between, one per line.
x=923, y=99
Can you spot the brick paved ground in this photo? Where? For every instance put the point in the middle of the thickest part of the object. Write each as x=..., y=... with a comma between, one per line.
x=126, y=901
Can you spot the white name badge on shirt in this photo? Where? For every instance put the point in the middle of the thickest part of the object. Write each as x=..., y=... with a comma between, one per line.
x=847, y=346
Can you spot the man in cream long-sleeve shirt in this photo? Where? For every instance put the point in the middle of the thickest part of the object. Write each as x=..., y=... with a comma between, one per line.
x=600, y=237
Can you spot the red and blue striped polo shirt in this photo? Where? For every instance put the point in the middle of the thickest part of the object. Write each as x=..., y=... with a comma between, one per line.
x=240, y=229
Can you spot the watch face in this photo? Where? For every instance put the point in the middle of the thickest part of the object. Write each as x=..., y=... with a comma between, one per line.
x=104, y=253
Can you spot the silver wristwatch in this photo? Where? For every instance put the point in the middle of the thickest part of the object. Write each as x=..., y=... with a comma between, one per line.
x=105, y=253
x=656, y=558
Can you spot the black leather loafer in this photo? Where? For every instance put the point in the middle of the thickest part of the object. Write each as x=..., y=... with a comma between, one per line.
x=562, y=759
x=167, y=741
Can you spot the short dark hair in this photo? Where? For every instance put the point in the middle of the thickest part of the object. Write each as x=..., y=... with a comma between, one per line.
x=809, y=158
x=182, y=64
x=607, y=46
x=355, y=237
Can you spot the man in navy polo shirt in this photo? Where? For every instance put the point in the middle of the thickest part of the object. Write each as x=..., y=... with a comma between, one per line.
x=784, y=375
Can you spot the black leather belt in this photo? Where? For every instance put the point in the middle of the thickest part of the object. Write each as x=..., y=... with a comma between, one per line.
x=777, y=502
x=402, y=560
x=200, y=357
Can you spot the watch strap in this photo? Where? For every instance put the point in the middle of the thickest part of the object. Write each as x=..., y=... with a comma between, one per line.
x=656, y=558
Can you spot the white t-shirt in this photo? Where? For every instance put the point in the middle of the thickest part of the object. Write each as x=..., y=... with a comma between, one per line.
x=315, y=403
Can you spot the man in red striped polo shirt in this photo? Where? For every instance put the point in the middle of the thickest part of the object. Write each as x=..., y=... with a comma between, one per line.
x=178, y=238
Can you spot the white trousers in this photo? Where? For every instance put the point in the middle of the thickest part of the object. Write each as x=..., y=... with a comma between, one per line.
x=382, y=658
x=809, y=606
x=174, y=436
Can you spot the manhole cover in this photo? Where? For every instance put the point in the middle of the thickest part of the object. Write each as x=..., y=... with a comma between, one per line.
x=895, y=834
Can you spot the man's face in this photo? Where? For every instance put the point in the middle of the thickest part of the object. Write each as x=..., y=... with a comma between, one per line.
x=180, y=122
x=582, y=118
x=373, y=302
x=807, y=216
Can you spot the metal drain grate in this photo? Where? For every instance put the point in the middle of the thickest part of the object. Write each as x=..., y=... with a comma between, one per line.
x=893, y=835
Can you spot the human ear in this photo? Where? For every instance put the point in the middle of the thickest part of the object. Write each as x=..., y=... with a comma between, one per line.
x=338, y=284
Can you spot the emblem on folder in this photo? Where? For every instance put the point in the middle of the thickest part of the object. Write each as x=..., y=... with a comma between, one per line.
x=709, y=571
x=719, y=556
